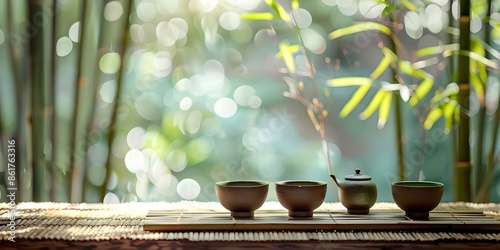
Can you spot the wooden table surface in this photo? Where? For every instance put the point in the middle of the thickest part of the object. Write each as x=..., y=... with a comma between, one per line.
x=122, y=226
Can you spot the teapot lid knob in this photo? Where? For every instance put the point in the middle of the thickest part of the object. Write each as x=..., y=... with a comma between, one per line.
x=358, y=176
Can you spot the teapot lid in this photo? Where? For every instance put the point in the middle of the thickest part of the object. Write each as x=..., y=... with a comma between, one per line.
x=358, y=176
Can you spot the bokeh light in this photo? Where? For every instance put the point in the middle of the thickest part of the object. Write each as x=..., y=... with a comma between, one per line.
x=74, y=32
x=348, y=7
x=110, y=63
x=107, y=92
x=225, y=107
x=370, y=9
x=134, y=160
x=64, y=46
x=136, y=138
x=111, y=198
x=186, y=103
x=243, y=93
x=188, y=189
x=229, y=20
x=434, y=18
x=176, y=160
x=113, y=11
x=302, y=17
x=146, y=11
x=413, y=26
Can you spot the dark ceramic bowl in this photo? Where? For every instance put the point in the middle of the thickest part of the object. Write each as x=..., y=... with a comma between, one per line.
x=301, y=197
x=417, y=198
x=242, y=198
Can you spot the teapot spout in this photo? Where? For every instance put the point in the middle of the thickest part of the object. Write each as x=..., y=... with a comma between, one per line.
x=335, y=180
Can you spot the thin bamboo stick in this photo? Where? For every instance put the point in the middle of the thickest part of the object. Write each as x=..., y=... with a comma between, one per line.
x=462, y=175
x=112, y=126
x=479, y=168
x=91, y=119
x=19, y=87
x=397, y=109
x=3, y=152
x=52, y=104
x=37, y=82
x=73, y=172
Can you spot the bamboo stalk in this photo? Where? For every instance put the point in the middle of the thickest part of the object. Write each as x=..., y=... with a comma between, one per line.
x=462, y=176
x=112, y=126
x=20, y=103
x=52, y=105
x=397, y=110
x=91, y=119
x=322, y=118
x=73, y=172
x=479, y=173
x=483, y=180
x=399, y=139
x=3, y=150
x=37, y=81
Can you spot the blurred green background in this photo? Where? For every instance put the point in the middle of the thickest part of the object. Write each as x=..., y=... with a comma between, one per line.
x=193, y=95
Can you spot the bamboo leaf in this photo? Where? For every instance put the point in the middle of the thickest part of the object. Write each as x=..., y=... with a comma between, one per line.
x=350, y=81
x=381, y=67
x=356, y=97
x=407, y=68
x=384, y=110
x=432, y=117
x=280, y=11
x=326, y=92
x=435, y=50
x=478, y=86
x=423, y=88
x=387, y=10
x=451, y=89
x=448, y=112
x=359, y=27
x=286, y=52
x=409, y=5
x=257, y=16
x=481, y=59
x=478, y=48
x=373, y=105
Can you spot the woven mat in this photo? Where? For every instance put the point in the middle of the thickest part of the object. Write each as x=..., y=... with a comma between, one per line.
x=83, y=222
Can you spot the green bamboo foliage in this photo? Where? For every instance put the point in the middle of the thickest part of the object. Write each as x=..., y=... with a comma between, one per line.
x=314, y=107
x=400, y=68
x=485, y=165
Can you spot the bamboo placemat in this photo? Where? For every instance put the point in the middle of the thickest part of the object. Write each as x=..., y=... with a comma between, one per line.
x=83, y=222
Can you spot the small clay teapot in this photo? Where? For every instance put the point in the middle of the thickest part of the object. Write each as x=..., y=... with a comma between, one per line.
x=358, y=193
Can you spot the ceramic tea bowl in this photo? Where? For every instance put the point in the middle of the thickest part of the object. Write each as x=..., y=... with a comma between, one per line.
x=242, y=198
x=301, y=197
x=417, y=198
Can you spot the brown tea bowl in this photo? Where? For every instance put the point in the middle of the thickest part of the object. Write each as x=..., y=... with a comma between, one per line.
x=417, y=198
x=242, y=198
x=301, y=197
